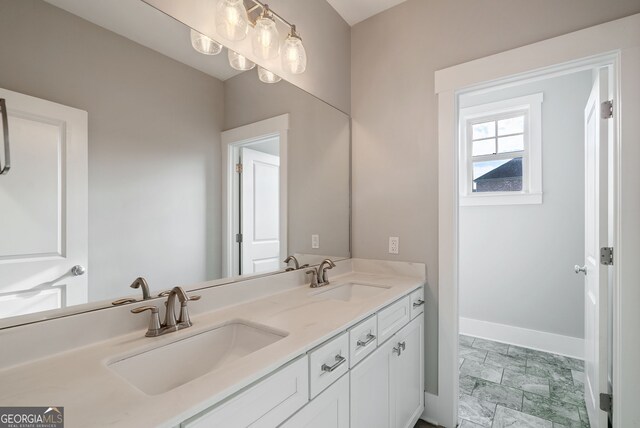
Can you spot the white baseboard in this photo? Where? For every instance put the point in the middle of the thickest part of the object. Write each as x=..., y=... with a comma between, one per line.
x=432, y=407
x=534, y=339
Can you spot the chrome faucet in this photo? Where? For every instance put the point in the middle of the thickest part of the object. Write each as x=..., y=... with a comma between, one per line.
x=320, y=277
x=141, y=282
x=170, y=323
x=295, y=264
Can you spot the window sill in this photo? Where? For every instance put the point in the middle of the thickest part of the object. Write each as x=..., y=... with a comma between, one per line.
x=503, y=198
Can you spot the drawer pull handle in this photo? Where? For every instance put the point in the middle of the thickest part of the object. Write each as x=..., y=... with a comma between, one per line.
x=340, y=360
x=362, y=343
x=418, y=303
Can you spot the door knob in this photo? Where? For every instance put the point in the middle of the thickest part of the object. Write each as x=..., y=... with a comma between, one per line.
x=78, y=270
x=578, y=269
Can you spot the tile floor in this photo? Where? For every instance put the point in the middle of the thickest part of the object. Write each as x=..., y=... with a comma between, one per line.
x=508, y=386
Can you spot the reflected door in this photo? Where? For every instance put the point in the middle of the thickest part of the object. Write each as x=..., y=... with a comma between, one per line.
x=260, y=217
x=43, y=207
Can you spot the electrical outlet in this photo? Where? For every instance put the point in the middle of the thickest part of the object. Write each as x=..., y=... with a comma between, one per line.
x=315, y=241
x=394, y=245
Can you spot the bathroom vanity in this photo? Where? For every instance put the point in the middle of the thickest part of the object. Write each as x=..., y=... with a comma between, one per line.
x=263, y=353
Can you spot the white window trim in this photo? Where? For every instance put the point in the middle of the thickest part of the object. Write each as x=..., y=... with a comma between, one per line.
x=531, y=162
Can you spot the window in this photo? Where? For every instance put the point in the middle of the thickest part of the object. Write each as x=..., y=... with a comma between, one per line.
x=500, y=153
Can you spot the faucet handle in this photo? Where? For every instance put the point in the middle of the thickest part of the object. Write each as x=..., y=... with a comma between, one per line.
x=196, y=297
x=123, y=301
x=154, y=322
x=165, y=293
x=314, y=278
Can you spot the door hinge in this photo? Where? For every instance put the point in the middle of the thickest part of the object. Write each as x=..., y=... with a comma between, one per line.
x=606, y=402
x=238, y=237
x=606, y=256
x=606, y=109
x=239, y=168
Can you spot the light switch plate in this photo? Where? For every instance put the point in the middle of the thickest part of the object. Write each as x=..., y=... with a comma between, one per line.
x=315, y=241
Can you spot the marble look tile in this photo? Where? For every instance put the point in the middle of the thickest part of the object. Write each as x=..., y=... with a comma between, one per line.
x=584, y=417
x=574, y=364
x=481, y=371
x=552, y=410
x=465, y=340
x=567, y=392
x=556, y=425
x=472, y=353
x=529, y=383
x=518, y=351
x=476, y=410
x=466, y=384
x=509, y=418
x=489, y=345
x=578, y=378
x=463, y=423
x=499, y=394
x=550, y=371
x=506, y=361
x=555, y=359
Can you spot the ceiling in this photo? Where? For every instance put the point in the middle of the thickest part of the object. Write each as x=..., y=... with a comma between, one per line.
x=354, y=11
x=159, y=32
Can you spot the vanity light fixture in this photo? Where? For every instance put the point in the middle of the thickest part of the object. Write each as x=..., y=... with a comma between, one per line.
x=267, y=76
x=232, y=20
x=239, y=62
x=203, y=44
x=294, y=56
x=266, y=39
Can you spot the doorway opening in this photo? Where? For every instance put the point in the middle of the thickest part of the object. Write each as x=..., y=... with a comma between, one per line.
x=533, y=183
x=255, y=197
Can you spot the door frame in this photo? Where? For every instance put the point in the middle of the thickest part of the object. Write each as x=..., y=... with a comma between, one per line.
x=231, y=142
x=618, y=42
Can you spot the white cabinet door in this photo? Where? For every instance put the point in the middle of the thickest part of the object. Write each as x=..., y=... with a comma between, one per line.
x=328, y=410
x=407, y=375
x=370, y=381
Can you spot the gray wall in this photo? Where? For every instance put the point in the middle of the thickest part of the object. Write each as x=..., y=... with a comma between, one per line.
x=395, y=167
x=318, y=174
x=516, y=261
x=154, y=136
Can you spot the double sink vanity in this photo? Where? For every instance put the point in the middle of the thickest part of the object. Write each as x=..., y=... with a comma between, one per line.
x=350, y=353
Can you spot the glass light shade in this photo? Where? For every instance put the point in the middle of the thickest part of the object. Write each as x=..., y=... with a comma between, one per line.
x=265, y=40
x=232, y=21
x=238, y=62
x=204, y=44
x=294, y=56
x=267, y=77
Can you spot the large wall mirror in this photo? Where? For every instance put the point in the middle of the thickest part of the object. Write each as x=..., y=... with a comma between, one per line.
x=132, y=154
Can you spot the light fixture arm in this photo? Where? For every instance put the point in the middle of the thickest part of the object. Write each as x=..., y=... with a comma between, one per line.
x=265, y=7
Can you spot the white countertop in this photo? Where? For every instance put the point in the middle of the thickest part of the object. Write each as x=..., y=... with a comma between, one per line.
x=94, y=395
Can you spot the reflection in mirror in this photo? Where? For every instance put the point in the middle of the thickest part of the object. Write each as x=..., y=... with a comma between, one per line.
x=138, y=160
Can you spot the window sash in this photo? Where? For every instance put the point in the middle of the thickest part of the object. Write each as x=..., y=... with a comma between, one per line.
x=524, y=154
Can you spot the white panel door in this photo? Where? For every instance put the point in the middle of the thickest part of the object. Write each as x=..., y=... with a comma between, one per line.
x=328, y=410
x=260, y=212
x=407, y=378
x=595, y=300
x=43, y=207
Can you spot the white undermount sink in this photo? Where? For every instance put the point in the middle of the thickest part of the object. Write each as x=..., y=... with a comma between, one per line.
x=164, y=368
x=349, y=291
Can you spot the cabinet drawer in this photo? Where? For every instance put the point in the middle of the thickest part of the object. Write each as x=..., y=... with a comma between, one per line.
x=328, y=362
x=362, y=340
x=417, y=302
x=264, y=405
x=392, y=318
